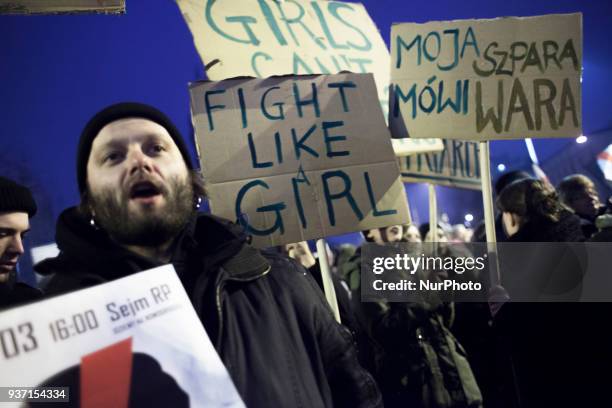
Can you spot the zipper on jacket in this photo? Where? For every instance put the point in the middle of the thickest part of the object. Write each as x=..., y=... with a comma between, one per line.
x=218, y=298
x=219, y=313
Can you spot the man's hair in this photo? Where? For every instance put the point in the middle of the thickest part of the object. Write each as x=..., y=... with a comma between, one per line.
x=573, y=185
x=531, y=199
x=509, y=178
x=197, y=183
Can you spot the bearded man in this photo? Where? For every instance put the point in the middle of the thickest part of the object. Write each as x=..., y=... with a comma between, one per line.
x=266, y=318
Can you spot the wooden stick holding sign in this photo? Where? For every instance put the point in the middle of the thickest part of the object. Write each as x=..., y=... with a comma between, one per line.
x=328, y=284
x=489, y=214
x=433, y=215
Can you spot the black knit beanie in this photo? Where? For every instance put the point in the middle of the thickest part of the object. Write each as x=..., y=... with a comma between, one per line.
x=121, y=111
x=16, y=198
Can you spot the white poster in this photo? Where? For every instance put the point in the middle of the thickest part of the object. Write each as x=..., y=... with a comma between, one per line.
x=135, y=340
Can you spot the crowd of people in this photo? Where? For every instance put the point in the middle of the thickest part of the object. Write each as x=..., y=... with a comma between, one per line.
x=268, y=319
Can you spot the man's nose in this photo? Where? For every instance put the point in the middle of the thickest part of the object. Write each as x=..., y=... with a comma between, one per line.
x=139, y=161
x=16, y=245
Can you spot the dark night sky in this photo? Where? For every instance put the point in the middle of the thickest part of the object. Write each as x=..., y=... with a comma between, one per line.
x=58, y=70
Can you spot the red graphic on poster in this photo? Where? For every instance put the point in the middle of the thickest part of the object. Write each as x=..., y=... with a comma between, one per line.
x=106, y=375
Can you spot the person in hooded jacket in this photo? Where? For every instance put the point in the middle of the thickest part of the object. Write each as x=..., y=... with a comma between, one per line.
x=554, y=344
x=263, y=313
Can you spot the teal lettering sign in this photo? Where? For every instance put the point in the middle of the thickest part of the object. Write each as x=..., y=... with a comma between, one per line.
x=262, y=38
x=294, y=158
x=506, y=78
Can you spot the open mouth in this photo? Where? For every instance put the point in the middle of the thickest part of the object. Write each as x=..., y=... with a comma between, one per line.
x=144, y=190
x=7, y=266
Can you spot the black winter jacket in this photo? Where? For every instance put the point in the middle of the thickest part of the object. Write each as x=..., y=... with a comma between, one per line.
x=265, y=316
x=14, y=293
x=567, y=229
x=557, y=349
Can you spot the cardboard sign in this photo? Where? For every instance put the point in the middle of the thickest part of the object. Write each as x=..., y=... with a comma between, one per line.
x=506, y=78
x=297, y=157
x=266, y=38
x=455, y=166
x=62, y=6
x=407, y=146
x=112, y=342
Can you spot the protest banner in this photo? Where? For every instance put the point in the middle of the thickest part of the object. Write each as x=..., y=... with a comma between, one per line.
x=265, y=38
x=62, y=6
x=504, y=78
x=297, y=157
x=455, y=166
x=406, y=146
x=136, y=339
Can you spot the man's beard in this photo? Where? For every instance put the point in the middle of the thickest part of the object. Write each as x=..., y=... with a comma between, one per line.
x=145, y=228
x=8, y=278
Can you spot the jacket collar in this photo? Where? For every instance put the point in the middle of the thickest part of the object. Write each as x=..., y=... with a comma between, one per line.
x=227, y=244
x=224, y=243
x=247, y=264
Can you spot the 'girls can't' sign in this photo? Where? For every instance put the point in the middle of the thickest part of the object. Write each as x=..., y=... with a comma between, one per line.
x=265, y=38
x=297, y=157
x=506, y=78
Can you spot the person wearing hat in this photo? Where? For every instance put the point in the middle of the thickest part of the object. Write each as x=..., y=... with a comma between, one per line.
x=16, y=208
x=265, y=316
